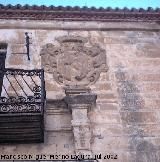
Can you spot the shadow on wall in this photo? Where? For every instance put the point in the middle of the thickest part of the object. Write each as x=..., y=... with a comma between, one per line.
x=131, y=104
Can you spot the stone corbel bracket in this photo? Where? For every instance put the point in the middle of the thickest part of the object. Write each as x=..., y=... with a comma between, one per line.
x=80, y=101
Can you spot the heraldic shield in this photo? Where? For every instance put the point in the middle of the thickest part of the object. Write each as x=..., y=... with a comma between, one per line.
x=73, y=63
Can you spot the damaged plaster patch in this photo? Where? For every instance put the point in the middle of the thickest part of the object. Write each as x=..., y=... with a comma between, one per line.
x=131, y=102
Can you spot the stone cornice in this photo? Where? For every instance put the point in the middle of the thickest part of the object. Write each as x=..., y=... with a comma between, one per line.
x=79, y=14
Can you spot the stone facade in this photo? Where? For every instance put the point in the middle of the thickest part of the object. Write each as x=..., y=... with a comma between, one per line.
x=123, y=118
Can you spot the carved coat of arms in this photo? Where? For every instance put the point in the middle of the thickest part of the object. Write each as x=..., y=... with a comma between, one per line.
x=72, y=62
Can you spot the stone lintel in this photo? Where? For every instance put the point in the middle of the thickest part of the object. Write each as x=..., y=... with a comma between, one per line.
x=56, y=103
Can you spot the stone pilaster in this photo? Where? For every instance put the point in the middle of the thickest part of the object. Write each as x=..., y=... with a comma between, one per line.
x=80, y=101
x=3, y=52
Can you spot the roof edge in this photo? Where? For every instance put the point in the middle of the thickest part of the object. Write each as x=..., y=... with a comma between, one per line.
x=84, y=8
x=68, y=13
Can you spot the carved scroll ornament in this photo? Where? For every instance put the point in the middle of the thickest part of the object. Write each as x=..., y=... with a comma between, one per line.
x=73, y=63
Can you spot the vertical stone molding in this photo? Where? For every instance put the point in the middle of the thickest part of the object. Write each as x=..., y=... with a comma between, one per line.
x=80, y=101
x=3, y=52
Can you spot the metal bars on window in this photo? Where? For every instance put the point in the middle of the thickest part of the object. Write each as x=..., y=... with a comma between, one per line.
x=23, y=91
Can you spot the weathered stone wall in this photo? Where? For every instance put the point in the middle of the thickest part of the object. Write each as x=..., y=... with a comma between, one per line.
x=125, y=120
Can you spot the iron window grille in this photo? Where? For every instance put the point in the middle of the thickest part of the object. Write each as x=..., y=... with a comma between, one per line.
x=22, y=101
